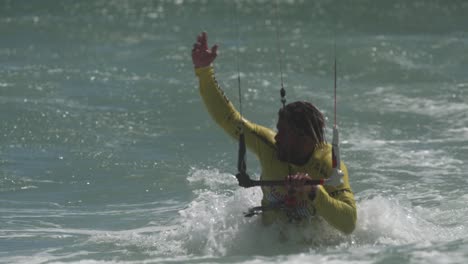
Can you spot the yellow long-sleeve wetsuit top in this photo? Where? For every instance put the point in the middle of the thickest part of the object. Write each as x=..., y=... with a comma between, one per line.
x=335, y=204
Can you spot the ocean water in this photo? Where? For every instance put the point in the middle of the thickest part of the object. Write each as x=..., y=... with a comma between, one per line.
x=107, y=154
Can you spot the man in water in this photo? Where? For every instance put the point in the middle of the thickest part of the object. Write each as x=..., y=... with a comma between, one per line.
x=297, y=152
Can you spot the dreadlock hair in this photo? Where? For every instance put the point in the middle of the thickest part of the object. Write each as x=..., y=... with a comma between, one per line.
x=305, y=119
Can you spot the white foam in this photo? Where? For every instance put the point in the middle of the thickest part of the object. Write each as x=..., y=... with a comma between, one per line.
x=386, y=221
x=213, y=179
x=213, y=225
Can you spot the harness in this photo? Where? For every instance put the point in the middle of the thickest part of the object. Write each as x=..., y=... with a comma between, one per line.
x=289, y=207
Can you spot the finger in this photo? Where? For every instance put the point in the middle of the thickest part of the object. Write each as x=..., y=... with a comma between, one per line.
x=204, y=40
x=214, y=50
x=287, y=181
x=199, y=37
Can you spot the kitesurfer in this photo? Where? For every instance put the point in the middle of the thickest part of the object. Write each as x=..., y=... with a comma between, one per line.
x=295, y=153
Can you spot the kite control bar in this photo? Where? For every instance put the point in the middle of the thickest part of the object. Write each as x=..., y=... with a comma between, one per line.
x=245, y=181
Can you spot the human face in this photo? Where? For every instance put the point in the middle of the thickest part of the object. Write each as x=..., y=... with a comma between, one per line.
x=289, y=145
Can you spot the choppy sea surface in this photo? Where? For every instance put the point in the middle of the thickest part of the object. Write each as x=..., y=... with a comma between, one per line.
x=107, y=154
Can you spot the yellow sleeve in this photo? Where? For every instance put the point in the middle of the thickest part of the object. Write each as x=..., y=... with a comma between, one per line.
x=225, y=115
x=337, y=205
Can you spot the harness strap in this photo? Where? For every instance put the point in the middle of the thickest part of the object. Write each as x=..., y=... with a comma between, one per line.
x=285, y=205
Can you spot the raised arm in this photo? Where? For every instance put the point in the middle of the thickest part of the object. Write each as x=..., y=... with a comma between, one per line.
x=258, y=139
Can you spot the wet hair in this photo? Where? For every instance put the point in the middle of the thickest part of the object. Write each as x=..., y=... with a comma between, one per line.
x=305, y=119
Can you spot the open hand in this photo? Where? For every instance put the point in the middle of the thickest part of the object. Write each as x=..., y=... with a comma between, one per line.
x=201, y=55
